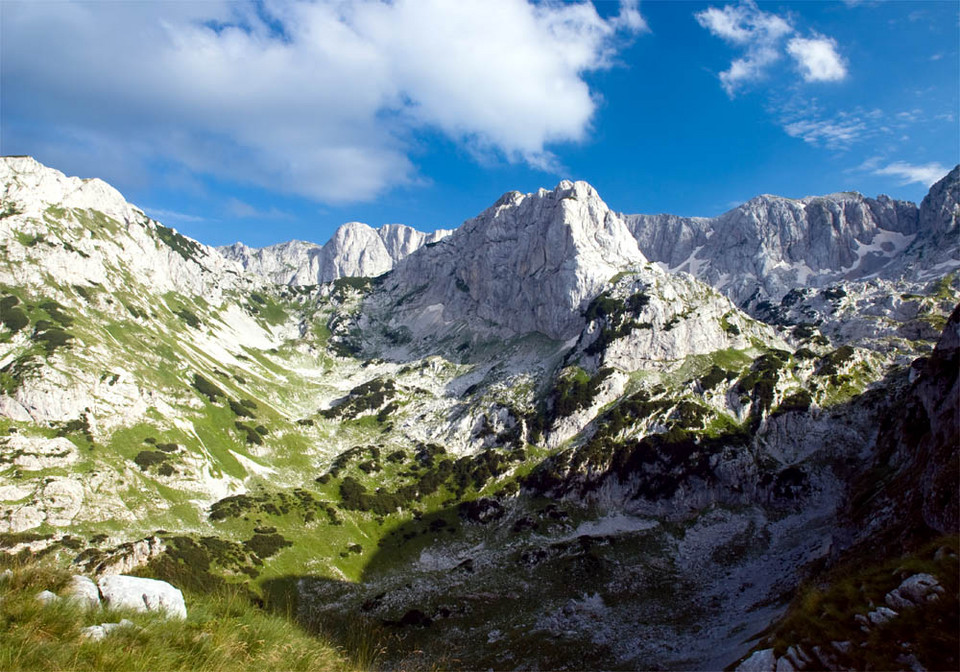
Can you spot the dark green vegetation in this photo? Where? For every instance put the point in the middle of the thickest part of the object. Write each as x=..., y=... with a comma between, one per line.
x=302, y=504
x=575, y=391
x=207, y=389
x=12, y=316
x=48, y=318
x=369, y=396
x=618, y=317
x=186, y=248
x=189, y=317
x=430, y=471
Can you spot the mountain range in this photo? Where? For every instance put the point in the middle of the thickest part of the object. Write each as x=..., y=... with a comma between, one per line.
x=686, y=437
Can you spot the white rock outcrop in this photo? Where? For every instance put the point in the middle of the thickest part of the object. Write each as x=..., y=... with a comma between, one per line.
x=759, y=661
x=34, y=453
x=132, y=592
x=914, y=591
x=46, y=597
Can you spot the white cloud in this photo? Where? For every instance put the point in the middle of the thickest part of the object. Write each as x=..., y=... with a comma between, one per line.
x=321, y=99
x=817, y=59
x=926, y=174
x=160, y=214
x=761, y=35
x=833, y=134
x=746, y=26
x=803, y=118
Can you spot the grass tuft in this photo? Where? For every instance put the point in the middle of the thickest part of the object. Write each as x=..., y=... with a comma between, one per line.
x=223, y=632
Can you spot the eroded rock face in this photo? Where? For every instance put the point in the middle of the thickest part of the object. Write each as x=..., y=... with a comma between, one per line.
x=769, y=245
x=34, y=453
x=138, y=594
x=129, y=556
x=530, y=263
x=355, y=250
x=98, y=229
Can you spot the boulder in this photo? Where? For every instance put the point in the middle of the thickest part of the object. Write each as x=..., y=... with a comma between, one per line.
x=881, y=615
x=759, y=661
x=914, y=591
x=83, y=591
x=98, y=632
x=45, y=597
x=132, y=592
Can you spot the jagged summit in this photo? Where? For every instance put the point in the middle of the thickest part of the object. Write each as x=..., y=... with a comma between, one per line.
x=83, y=232
x=530, y=262
x=762, y=249
x=35, y=186
x=355, y=249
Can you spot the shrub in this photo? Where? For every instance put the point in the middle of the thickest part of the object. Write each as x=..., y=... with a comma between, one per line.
x=715, y=377
x=252, y=436
x=240, y=409
x=149, y=458
x=265, y=545
x=189, y=317
x=52, y=338
x=14, y=318
x=206, y=388
x=55, y=311
x=183, y=246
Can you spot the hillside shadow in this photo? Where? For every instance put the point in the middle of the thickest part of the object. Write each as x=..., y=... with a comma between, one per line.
x=430, y=597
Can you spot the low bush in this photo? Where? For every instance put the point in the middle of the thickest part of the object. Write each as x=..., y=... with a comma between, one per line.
x=14, y=318
x=206, y=388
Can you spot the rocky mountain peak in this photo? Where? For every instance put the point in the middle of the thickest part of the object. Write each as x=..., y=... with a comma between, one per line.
x=528, y=263
x=35, y=187
x=760, y=250
x=940, y=208
x=355, y=250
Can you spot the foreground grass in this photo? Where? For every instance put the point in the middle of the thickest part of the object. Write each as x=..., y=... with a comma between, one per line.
x=223, y=632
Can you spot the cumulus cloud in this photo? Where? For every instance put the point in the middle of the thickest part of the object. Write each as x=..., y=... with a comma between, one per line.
x=761, y=35
x=322, y=99
x=926, y=174
x=817, y=59
x=746, y=26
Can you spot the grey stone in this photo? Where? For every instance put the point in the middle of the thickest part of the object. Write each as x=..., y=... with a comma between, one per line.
x=759, y=661
x=94, y=633
x=132, y=592
x=881, y=615
x=914, y=591
x=83, y=591
x=45, y=597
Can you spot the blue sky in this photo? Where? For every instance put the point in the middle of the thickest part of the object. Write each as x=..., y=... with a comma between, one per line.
x=267, y=121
